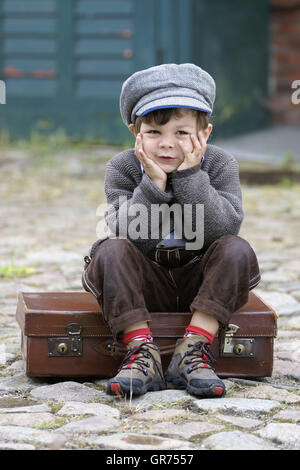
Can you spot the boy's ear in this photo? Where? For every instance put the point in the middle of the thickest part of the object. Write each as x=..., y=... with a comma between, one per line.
x=207, y=131
x=132, y=129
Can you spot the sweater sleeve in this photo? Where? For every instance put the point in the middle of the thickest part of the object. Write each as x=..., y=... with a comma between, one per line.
x=220, y=194
x=129, y=206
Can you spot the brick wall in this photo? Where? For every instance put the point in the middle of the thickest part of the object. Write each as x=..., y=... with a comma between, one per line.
x=285, y=60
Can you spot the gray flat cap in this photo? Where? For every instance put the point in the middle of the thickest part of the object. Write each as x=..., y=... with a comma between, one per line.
x=166, y=86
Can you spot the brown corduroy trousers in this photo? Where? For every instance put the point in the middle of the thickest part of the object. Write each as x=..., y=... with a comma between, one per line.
x=129, y=286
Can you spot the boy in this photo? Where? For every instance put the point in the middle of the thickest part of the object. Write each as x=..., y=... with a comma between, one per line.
x=167, y=108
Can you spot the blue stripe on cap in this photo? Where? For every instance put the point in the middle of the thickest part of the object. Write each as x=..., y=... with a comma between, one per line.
x=172, y=106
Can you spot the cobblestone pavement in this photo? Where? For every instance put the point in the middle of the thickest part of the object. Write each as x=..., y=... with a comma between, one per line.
x=48, y=222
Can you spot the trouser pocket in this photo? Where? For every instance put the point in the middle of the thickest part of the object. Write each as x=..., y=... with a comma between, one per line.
x=87, y=284
x=90, y=287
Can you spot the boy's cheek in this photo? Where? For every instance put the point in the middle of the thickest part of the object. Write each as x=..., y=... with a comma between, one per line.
x=148, y=148
x=190, y=147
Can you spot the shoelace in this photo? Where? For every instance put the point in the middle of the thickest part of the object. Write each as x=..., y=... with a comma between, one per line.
x=134, y=358
x=200, y=354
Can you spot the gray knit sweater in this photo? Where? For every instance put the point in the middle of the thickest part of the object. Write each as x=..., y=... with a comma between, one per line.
x=213, y=183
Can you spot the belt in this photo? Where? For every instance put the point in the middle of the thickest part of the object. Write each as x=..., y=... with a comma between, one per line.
x=174, y=257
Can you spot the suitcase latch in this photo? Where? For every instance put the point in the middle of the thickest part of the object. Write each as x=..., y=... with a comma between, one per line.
x=234, y=347
x=66, y=346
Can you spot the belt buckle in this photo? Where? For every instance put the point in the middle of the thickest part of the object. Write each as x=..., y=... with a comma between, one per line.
x=172, y=254
x=157, y=256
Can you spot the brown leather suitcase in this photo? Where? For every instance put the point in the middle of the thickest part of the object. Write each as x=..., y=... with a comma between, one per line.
x=64, y=335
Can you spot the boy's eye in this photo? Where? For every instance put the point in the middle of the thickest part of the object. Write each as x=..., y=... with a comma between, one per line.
x=182, y=133
x=152, y=131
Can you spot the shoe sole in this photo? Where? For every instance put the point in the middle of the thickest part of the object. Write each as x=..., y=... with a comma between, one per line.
x=123, y=387
x=212, y=390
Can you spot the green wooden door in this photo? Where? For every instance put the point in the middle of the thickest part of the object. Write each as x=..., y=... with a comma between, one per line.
x=64, y=61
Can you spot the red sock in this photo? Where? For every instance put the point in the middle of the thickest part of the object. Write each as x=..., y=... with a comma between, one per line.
x=196, y=330
x=142, y=334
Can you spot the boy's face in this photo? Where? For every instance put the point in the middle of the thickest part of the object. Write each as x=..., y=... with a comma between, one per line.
x=161, y=142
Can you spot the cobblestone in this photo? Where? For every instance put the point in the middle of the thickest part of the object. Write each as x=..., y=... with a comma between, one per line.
x=48, y=222
x=93, y=424
x=282, y=433
x=236, y=440
x=236, y=405
x=130, y=441
x=67, y=391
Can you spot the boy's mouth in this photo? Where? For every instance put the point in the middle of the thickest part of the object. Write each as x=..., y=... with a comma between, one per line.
x=166, y=157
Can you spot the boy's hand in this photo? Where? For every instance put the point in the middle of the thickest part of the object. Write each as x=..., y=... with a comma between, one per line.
x=192, y=158
x=158, y=176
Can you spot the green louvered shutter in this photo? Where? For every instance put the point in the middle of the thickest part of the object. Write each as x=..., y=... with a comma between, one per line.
x=64, y=61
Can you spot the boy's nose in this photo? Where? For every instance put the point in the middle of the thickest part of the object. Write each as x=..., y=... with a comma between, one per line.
x=166, y=143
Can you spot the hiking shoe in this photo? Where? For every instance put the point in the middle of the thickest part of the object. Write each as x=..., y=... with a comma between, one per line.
x=190, y=368
x=140, y=371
